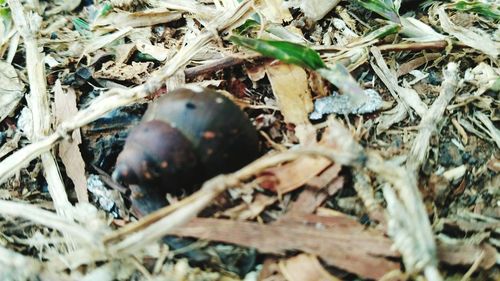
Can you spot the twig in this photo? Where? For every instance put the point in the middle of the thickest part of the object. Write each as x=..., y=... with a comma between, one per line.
x=473, y=267
x=17, y=267
x=157, y=224
x=48, y=219
x=418, y=46
x=407, y=95
x=429, y=121
x=38, y=102
x=213, y=66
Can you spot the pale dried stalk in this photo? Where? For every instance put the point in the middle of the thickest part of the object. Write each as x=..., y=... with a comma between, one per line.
x=39, y=104
x=115, y=98
x=14, y=266
x=210, y=190
x=364, y=189
x=407, y=95
x=48, y=219
x=418, y=253
x=489, y=128
x=432, y=117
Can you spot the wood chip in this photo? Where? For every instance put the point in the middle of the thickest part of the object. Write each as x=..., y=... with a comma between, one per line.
x=345, y=243
x=65, y=107
x=305, y=267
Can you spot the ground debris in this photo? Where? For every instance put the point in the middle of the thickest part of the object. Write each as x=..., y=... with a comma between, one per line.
x=378, y=123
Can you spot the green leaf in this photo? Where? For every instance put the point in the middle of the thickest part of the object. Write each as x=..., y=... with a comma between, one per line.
x=106, y=8
x=284, y=51
x=486, y=10
x=82, y=27
x=382, y=32
x=80, y=24
x=5, y=13
x=385, y=8
x=246, y=26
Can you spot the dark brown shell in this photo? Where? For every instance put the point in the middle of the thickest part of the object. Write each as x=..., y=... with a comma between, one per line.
x=222, y=135
x=186, y=137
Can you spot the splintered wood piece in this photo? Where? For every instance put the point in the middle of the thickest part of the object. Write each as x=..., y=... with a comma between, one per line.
x=339, y=241
x=65, y=107
x=305, y=267
x=290, y=176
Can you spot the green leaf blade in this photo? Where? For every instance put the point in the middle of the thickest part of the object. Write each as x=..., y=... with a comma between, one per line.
x=287, y=52
x=384, y=8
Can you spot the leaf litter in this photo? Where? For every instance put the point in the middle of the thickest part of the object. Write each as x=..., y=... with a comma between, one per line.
x=379, y=120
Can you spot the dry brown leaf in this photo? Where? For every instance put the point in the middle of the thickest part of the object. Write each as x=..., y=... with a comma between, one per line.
x=138, y=19
x=326, y=177
x=246, y=211
x=275, y=11
x=311, y=198
x=11, y=90
x=339, y=241
x=64, y=108
x=305, y=267
x=290, y=176
x=137, y=72
x=465, y=254
x=270, y=270
x=291, y=89
x=256, y=72
x=405, y=68
x=472, y=37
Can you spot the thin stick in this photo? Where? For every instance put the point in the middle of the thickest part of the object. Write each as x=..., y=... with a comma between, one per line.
x=430, y=119
x=38, y=102
x=48, y=219
x=419, y=46
x=157, y=224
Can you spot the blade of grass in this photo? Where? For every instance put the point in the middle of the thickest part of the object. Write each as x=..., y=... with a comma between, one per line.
x=287, y=52
x=384, y=8
x=483, y=9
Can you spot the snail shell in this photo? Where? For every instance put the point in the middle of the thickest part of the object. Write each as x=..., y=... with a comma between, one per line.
x=186, y=137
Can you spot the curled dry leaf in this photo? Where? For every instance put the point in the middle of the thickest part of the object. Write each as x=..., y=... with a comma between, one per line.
x=294, y=99
x=305, y=267
x=137, y=72
x=479, y=41
x=275, y=11
x=11, y=89
x=138, y=19
x=315, y=9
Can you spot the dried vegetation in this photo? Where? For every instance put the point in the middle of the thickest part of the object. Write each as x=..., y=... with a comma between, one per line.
x=379, y=120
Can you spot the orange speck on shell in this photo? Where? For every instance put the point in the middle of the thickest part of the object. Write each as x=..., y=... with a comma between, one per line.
x=208, y=135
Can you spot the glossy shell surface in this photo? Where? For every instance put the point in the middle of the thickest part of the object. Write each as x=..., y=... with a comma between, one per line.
x=222, y=135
